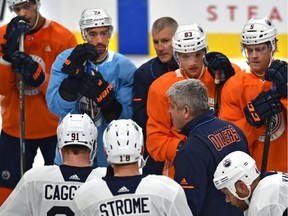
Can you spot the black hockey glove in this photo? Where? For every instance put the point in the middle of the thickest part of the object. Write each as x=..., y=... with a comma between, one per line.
x=98, y=89
x=218, y=61
x=277, y=73
x=15, y=28
x=69, y=88
x=73, y=65
x=30, y=70
x=264, y=106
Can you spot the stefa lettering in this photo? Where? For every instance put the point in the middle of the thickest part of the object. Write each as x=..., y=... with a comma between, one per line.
x=59, y=192
x=285, y=177
x=214, y=12
x=133, y=206
x=224, y=137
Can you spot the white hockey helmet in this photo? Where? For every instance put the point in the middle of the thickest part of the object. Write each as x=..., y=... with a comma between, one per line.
x=91, y=18
x=78, y=129
x=189, y=38
x=257, y=31
x=12, y=3
x=123, y=142
x=235, y=166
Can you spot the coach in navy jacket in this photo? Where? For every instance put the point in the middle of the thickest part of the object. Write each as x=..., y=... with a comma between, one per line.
x=163, y=30
x=209, y=141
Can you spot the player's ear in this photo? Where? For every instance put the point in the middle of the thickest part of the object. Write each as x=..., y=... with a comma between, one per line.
x=241, y=189
x=106, y=155
x=37, y=2
x=142, y=150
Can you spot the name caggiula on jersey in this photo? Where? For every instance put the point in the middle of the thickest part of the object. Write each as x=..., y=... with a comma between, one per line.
x=59, y=192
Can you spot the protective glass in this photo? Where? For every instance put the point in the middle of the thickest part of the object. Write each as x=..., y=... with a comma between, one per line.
x=187, y=57
x=258, y=49
x=26, y=6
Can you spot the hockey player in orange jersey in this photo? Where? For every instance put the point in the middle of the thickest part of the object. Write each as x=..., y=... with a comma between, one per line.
x=44, y=40
x=190, y=46
x=248, y=101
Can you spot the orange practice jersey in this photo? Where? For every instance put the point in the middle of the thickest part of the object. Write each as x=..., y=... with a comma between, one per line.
x=236, y=94
x=162, y=137
x=43, y=46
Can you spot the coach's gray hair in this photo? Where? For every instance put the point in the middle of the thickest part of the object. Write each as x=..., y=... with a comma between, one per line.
x=190, y=92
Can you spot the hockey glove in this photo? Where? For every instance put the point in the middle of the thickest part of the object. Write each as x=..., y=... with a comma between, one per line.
x=218, y=61
x=30, y=70
x=69, y=88
x=74, y=64
x=15, y=28
x=264, y=106
x=98, y=89
x=277, y=73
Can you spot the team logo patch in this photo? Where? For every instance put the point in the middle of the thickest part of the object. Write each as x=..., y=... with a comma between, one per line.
x=6, y=175
x=268, y=22
x=74, y=177
x=184, y=184
x=85, y=106
x=227, y=163
x=277, y=127
x=123, y=190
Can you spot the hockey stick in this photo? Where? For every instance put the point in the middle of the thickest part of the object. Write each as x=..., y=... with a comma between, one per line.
x=217, y=81
x=22, y=113
x=267, y=139
x=90, y=71
x=2, y=9
x=266, y=144
x=217, y=92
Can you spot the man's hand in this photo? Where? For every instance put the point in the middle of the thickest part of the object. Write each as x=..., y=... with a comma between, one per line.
x=74, y=64
x=69, y=88
x=218, y=61
x=99, y=90
x=30, y=70
x=277, y=73
x=264, y=106
x=96, y=88
x=17, y=26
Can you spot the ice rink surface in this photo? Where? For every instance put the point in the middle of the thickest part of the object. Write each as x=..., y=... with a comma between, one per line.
x=138, y=61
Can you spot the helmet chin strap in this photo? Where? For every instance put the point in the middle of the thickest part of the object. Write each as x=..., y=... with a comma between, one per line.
x=142, y=162
x=271, y=58
x=36, y=22
x=60, y=152
x=92, y=155
x=246, y=199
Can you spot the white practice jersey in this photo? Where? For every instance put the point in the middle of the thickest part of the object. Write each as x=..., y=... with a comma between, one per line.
x=134, y=195
x=270, y=197
x=47, y=190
